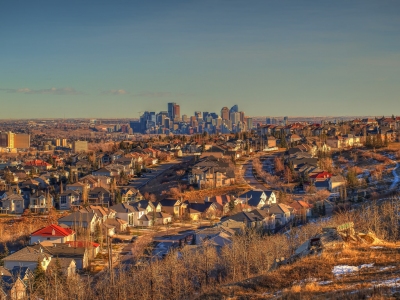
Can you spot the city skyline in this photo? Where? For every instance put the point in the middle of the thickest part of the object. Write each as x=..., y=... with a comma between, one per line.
x=114, y=60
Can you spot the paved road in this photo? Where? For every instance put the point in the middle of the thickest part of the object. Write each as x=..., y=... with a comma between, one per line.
x=138, y=183
x=248, y=171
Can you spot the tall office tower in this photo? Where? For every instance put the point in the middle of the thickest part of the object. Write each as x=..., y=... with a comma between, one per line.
x=167, y=123
x=64, y=143
x=205, y=115
x=241, y=116
x=185, y=118
x=192, y=120
x=22, y=140
x=218, y=122
x=57, y=142
x=160, y=119
x=177, y=112
x=171, y=109
x=235, y=118
x=225, y=113
x=285, y=120
x=268, y=120
x=3, y=140
x=249, y=123
x=234, y=108
x=197, y=114
x=274, y=121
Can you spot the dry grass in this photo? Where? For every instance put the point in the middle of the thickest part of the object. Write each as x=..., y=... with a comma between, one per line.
x=312, y=277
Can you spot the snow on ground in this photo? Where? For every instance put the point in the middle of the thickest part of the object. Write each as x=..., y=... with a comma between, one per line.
x=386, y=268
x=325, y=282
x=345, y=269
x=396, y=177
x=390, y=282
x=377, y=247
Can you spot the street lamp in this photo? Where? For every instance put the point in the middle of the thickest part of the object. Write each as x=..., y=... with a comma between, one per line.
x=110, y=234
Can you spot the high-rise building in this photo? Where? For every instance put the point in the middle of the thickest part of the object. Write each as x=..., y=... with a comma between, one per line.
x=197, y=114
x=22, y=141
x=177, y=112
x=225, y=113
x=268, y=120
x=10, y=139
x=171, y=109
x=185, y=118
x=285, y=120
x=249, y=123
x=241, y=116
x=3, y=140
x=167, y=123
x=235, y=118
x=234, y=108
x=64, y=143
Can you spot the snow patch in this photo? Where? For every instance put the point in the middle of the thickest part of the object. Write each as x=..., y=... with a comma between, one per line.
x=345, y=269
x=389, y=282
x=377, y=247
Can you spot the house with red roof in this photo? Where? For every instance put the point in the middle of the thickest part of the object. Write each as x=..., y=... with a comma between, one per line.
x=53, y=233
x=321, y=176
x=40, y=164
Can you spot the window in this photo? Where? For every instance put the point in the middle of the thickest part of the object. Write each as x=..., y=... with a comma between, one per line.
x=63, y=199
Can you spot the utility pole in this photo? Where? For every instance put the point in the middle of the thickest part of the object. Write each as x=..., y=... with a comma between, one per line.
x=110, y=264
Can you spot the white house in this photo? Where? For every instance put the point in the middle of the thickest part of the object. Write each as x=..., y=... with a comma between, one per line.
x=53, y=233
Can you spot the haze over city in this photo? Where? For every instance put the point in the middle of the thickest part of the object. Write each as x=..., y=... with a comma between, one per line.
x=100, y=59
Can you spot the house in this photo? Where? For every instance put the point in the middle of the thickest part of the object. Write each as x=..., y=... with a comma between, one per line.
x=13, y=285
x=147, y=205
x=13, y=204
x=173, y=207
x=67, y=265
x=242, y=220
x=130, y=194
x=68, y=199
x=281, y=212
x=77, y=187
x=41, y=202
x=268, y=219
x=221, y=202
x=62, y=250
x=198, y=209
x=302, y=210
x=38, y=163
x=53, y=233
x=28, y=257
x=257, y=198
x=218, y=236
x=212, y=172
x=128, y=213
x=119, y=224
x=163, y=218
x=99, y=195
x=80, y=220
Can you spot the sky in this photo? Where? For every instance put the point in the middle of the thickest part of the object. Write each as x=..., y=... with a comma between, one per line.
x=115, y=59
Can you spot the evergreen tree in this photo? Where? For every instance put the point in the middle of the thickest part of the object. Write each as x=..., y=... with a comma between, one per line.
x=323, y=209
x=38, y=274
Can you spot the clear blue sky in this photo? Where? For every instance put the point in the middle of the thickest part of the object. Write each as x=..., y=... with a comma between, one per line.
x=116, y=58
